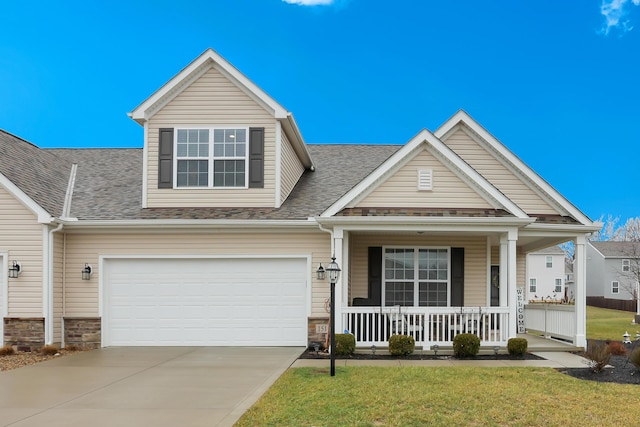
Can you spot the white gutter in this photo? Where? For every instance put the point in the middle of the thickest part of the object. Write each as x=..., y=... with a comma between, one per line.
x=423, y=220
x=191, y=223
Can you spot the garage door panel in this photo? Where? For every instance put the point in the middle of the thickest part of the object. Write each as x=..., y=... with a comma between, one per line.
x=206, y=301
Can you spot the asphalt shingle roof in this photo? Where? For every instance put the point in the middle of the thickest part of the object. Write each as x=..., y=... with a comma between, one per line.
x=617, y=249
x=39, y=173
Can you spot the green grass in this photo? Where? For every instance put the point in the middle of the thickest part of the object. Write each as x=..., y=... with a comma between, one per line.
x=605, y=324
x=423, y=396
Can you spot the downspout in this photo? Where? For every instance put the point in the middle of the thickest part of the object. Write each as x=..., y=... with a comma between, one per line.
x=49, y=312
x=331, y=233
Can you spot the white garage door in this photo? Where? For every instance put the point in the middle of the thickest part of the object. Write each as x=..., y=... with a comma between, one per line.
x=205, y=302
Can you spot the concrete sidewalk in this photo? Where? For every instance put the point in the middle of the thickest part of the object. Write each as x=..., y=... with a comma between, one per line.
x=555, y=359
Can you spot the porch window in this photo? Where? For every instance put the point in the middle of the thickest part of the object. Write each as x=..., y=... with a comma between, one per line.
x=416, y=277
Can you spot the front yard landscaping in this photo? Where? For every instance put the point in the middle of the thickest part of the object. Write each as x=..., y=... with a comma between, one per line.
x=418, y=396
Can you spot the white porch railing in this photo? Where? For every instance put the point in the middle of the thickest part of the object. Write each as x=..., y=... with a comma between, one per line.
x=427, y=325
x=552, y=320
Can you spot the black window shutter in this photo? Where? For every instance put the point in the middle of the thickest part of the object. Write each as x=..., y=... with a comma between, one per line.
x=256, y=157
x=457, y=277
x=165, y=159
x=375, y=275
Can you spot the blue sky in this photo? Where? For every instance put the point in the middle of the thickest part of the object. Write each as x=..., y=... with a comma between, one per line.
x=556, y=81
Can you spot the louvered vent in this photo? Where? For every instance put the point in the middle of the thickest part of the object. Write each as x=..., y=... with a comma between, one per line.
x=425, y=179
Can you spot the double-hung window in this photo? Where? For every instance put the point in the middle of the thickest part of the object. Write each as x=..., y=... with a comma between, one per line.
x=211, y=158
x=615, y=287
x=558, y=287
x=549, y=262
x=626, y=265
x=533, y=285
x=416, y=277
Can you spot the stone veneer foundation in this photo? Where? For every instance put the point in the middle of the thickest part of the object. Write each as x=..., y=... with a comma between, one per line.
x=24, y=334
x=83, y=332
x=318, y=328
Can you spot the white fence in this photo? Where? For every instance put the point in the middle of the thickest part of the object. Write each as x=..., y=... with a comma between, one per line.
x=552, y=320
x=427, y=325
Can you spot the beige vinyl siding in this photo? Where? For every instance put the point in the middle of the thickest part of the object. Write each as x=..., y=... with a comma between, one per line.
x=292, y=168
x=58, y=261
x=22, y=238
x=401, y=189
x=475, y=261
x=497, y=174
x=212, y=100
x=82, y=297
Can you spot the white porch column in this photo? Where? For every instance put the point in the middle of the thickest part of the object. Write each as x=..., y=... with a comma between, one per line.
x=338, y=248
x=580, y=278
x=513, y=279
x=504, y=275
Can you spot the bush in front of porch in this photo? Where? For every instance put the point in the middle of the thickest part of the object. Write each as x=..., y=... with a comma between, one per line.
x=401, y=345
x=466, y=345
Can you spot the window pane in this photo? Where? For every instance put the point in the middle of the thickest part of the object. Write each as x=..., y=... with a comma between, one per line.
x=192, y=173
x=398, y=293
x=182, y=135
x=433, y=294
x=241, y=135
x=218, y=135
x=228, y=173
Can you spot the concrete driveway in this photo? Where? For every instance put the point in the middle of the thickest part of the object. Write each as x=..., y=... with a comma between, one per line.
x=142, y=386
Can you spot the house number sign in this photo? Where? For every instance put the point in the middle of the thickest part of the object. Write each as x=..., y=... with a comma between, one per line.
x=520, y=309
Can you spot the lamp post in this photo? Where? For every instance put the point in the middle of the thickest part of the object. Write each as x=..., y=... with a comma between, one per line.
x=333, y=270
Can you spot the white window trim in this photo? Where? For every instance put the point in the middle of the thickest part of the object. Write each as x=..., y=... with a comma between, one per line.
x=615, y=289
x=210, y=159
x=626, y=265
x=416, y=279
x=535, y=284
x=555, y=285
x=548, y=262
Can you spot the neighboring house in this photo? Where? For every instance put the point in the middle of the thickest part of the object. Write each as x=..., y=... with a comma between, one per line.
x=613, y=269
x=546, y=275
x=211, y=234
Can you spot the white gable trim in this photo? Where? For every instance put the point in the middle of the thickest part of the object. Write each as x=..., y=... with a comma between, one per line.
x=403, y=155
x=550, y=194
x=209, y=58
x=43, y=216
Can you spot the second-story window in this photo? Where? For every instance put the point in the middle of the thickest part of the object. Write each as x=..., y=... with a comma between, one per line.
x=626, y=265
x=211, y=158
x=549, y=262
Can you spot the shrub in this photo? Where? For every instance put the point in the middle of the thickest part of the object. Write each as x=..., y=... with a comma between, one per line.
x=517, y=346
x=616, y=348
x=49, y=350
x=7, y=350
x=466, y=345
x=401, y=345
x=598, y=355
x=345, y=344
x=635, y=357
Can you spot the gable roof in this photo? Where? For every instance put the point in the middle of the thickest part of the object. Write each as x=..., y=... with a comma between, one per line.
x=552, y=250
x=37, y=177
x=198, y=67
x=531, y=178
x=611, y=249
x=425, y=138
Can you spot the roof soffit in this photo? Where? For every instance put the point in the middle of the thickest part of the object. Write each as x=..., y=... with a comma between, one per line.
x=462, y=120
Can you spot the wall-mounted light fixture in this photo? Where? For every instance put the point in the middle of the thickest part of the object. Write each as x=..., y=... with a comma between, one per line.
x=15, y=270
x=86, y=272
x=320, y=273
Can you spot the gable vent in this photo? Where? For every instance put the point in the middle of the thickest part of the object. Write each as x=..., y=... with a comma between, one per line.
x=425, y=179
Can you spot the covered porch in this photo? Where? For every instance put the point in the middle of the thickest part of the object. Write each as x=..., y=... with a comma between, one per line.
x=434, y=278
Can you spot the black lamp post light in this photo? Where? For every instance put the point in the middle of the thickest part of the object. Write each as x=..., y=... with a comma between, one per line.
x=333, y=271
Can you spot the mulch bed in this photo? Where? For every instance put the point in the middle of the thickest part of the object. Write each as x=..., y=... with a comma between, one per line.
x=622, y=371
x=415, y=356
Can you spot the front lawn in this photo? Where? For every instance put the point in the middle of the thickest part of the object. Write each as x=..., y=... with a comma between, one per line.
x=418, y=396
x=606, y=324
